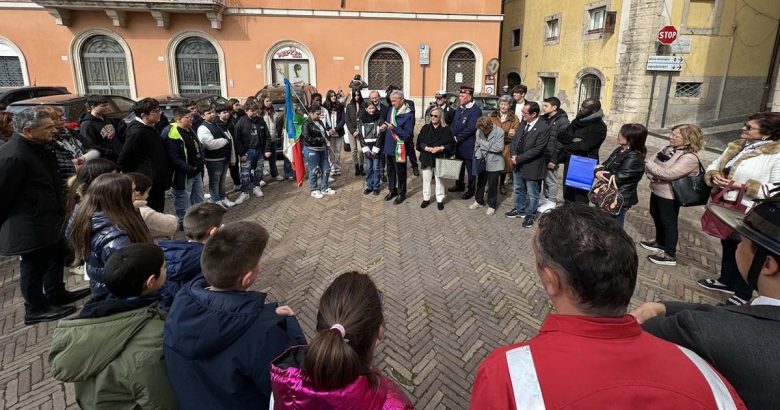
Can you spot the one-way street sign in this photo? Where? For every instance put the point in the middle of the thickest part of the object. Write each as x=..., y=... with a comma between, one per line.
x=664, y=63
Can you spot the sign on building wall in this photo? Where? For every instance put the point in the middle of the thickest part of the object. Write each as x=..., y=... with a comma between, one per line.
x=664, y=63
x=291, y=62
x=425, y=54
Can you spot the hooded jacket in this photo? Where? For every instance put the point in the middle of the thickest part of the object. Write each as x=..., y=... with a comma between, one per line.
x=583, y=137
x=182, y=260
x=101, y=134
x=112, y=352
x=293, y=390
x=218, y=347
x=144, y=151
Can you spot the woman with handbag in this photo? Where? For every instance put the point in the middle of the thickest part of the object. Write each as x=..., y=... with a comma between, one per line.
x=672, y=163
x=488, y=163
x=434, y=141
x=748, y=169
x=505, y=119
x=627, y=165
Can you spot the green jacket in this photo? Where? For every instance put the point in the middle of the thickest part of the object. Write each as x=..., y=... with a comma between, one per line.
x=115, y=362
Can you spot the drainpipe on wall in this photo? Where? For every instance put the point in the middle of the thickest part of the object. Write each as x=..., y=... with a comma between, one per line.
x=726, y=74
x=769, y=86
x=500, y=73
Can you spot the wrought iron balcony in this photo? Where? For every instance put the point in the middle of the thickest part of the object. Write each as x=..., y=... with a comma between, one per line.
x=62, y=10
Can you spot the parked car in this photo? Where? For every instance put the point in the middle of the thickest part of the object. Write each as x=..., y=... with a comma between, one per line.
x=9, y=95
x=170, y=101
x=486, y=102
x=276, y=92
x=74, y=106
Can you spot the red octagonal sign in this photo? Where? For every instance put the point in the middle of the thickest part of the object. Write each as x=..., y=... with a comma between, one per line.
x=667, y=35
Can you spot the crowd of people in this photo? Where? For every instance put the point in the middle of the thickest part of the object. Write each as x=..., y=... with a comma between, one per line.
x=173, y=322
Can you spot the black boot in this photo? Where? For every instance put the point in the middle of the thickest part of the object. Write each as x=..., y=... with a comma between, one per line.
x=458, y=187
x=362, y=170
x=357, y=170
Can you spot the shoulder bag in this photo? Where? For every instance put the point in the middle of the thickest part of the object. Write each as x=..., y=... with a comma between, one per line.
x=710, y=223
x=448, y=168
x=691, y=190
x=606, y=196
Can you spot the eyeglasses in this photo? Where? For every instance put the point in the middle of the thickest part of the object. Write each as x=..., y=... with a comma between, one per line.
x=747, y=127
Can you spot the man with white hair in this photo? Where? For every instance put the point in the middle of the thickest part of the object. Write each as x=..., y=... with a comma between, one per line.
x=400, y=128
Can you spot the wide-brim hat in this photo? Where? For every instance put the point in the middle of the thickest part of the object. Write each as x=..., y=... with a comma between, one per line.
x=761, y=224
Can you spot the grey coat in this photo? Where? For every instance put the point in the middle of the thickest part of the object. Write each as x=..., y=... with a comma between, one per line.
x=491, y=149
x=740, y=342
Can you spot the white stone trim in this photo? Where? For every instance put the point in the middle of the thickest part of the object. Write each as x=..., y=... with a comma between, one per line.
x=478, y=73
x=75, y=58
x=712, y=30
x=19, y=5
x=404, y=56
x=269, y=75
x=363, y=14
x=22, y=61
x=173, y=78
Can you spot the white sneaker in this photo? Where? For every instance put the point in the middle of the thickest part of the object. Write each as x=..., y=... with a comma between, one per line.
x=546, y=206
x=228, y=203
x=329, y=191
x=316, y=194
x=279, y=178
x=475, y=205
x=262, y=183
x=207, y=195
x=331, y=180
x=241, y=198
x=490, y=211
x=257, y=191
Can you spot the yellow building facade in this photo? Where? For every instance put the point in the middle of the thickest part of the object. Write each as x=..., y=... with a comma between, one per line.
x=576, y=49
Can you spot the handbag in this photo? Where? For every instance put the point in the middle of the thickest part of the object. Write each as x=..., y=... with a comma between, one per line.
x=606, y=196
x=448, y=168
x=691, y=190
x=710, y=223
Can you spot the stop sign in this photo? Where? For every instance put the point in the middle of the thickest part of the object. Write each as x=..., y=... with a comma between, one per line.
x=667, y=35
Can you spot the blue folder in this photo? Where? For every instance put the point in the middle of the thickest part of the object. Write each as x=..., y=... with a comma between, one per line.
x=580, y=172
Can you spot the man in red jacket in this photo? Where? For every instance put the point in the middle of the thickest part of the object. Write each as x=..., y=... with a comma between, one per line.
x=590, y=353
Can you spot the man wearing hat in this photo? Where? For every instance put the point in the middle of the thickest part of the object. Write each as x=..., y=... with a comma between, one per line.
x=441, y=102
x=464, y=128
x=740, y=342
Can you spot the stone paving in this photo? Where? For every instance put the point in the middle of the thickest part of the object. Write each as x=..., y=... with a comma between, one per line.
x=457, y=283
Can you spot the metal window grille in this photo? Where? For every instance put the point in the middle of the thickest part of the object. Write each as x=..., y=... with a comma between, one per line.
x=590, y=87
x=105, y=67
x=688, y=90
x=385, y=68
x=460, y=61
x=197, y=67
x=11, y=72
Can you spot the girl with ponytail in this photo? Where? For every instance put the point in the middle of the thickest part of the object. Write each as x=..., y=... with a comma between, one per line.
x=336, y=369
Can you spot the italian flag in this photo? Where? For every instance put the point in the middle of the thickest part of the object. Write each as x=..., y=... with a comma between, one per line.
x=293, y=146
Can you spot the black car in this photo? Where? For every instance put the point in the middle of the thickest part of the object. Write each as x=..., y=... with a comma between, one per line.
x=169, y=102
x=74, y=106
x=276, y=92
x=9, y=95
x=486, y=102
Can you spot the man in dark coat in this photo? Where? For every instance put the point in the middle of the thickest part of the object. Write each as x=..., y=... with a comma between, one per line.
x=557, y=120
x=740, y=342
x=97, y=131
x=464, y=129
x=441, y=102
x=530, y=163
x=583, y=137
x=144, y=151
x=32, y=214
x=400, y=128
x=375, y=99
x=411, y=153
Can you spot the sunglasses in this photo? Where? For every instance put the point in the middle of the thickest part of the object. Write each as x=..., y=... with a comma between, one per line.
x=434, y=115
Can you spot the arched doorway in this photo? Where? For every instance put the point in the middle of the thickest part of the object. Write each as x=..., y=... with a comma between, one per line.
x=11, y=73
x=590, y=87
x=197, y=67
x=385, y=68
x=513, y=79
x=461, y=69
x=104, y=66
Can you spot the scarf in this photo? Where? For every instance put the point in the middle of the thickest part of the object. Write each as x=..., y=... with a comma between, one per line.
x=748, y=148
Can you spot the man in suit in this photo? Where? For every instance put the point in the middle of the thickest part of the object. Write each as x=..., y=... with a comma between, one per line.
x=530, y=163
x=738, y=341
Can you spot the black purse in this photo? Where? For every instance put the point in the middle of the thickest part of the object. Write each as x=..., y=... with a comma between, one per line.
x=691, y=190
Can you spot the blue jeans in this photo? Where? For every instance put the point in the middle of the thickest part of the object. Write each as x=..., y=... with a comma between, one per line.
x=372, y=166
x=620, y=218
x=192, y=194
x=251, y=169
x=526, y=194
x=319, y=165
x=288, y=171
x=216, y=171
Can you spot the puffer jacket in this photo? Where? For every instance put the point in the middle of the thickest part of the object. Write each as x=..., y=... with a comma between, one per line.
x=105, y=239
x=490, y=148
x=182, y=261
x=293, y=390
x=628, y=167
x=112, y=353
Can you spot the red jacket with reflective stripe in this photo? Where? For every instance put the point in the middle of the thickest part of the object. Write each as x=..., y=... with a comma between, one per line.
x=598, y=363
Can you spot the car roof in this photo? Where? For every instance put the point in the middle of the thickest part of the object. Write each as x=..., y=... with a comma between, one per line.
x=51, y=99
x=6, y=90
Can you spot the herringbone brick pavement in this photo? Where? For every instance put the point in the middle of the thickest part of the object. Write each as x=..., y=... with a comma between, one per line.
x=457, y=283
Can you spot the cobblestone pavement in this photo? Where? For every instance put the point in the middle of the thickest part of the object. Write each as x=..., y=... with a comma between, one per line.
x=457, y=283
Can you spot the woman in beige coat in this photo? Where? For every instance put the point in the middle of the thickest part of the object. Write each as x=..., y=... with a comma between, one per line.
x=676, y=160
x=505, y=119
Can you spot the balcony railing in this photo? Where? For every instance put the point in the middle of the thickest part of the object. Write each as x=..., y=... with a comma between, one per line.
x=116, y=10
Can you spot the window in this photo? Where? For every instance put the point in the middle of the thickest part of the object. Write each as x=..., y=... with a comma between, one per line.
x=590, y=87
x=596, y=18
x=105, y=67
x=548, y=85
x=385, y=68
x=552, y=30
x=197, y=67
x=461, y=68
x=701, y=17
x=10, y=71
x=687, y=90
x=516, y=37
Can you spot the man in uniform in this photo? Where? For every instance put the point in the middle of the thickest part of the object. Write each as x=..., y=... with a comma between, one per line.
x=464, y=129
x=441, y=102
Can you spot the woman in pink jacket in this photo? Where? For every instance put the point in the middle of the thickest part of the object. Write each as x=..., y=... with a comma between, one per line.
x=336, y=370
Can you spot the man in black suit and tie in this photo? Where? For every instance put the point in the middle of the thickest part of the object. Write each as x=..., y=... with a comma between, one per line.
x=530, y=164
x=740, y=342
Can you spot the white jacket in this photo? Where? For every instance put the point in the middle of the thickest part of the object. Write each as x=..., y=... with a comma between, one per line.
x=759, y=169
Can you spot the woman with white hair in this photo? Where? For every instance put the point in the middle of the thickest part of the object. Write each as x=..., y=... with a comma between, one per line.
x=434, y=141
x=505, y=119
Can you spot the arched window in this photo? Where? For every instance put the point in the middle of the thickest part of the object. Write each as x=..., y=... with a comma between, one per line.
x=590, y=87
x=104, y=64
x=197, y=67
x=461, y=68
x=10, y=68
x=385, y=68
